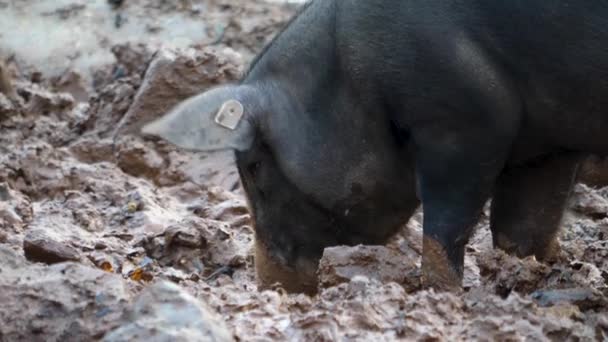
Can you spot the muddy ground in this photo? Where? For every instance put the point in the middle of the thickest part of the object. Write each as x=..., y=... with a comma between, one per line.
x=106, y=236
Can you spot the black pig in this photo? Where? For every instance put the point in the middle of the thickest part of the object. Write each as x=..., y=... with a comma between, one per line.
x=358, y=106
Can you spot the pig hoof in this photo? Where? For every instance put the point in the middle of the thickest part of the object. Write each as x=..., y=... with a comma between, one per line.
x=437, y=271
x=551, y=253
x=503, y=242
x=270, y=271
x=543, y=251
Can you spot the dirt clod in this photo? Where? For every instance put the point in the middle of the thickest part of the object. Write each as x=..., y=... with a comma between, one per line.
x=67, y=302
x=584, y=298
x=164, y=312
x=7, y=108
x=6, y=83
x=342, y=264
x=39, y=247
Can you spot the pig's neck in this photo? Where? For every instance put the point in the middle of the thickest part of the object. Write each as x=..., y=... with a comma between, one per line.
x=302, y=59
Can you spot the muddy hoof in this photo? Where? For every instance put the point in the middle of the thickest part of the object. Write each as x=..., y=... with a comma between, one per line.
x=543, y=251
x=437, y=272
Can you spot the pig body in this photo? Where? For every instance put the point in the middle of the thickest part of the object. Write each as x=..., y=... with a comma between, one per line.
x=360, y=110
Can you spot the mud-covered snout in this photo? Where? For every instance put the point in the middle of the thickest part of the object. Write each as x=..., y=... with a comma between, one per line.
x=289, y=243
x=298, y=278
x=291, y=230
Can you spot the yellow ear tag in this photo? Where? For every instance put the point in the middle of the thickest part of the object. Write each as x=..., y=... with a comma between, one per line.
x=230, y=114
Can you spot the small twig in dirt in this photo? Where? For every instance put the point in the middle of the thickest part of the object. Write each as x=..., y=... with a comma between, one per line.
x=228, y=270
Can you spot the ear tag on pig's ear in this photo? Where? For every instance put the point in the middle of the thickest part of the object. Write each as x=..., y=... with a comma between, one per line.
x=230, y=114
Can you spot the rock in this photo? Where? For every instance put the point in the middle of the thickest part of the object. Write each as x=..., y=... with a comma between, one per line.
x=9, y=218
x=589, y=202
x=109, y=106
x=193, y=244
x=135, y=158
x=342, y=264
x=172, y=76
x=7, y=108
x=213, y=168
x=165, y=312
x=584, y=298
x=42, y=101
x=15, y=210
x=131, y=58
x=39, y=247
x=73, y=83
x=6, y=86
x=190, y=235
x=511, y=273
x=92, y=149
x=233, y=211
x=65, y=302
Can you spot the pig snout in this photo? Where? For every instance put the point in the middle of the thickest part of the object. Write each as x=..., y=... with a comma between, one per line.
x=270, y=271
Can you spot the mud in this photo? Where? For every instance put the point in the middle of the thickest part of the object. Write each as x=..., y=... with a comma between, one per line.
x=95, y=223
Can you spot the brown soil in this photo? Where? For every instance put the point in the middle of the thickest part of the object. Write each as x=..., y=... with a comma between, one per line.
x=91, y=216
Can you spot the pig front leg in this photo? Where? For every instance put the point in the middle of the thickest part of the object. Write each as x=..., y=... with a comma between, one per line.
x=528, y=204
x=457, y=166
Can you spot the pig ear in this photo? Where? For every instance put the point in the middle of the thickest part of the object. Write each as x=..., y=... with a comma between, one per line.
x=216, y=120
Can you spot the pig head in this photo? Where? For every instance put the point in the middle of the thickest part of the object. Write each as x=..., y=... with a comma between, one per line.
x=315, y=176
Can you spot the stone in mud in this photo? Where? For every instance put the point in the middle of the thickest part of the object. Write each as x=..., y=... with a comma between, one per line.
x=108, y=107
x=342, y=264
x=196, y=245
x=232, y=210
x=15, y=210
x=73, y=83
x=584, y=298
x=39, y=247
x=174, y=75
x=7, y=108
x=189, y=235
x=136, y=158
x=42, y=101
x=589, y=202
x=92, y=149
x=180, y=245
x=510, y=273
x=165, y=312
x=516, y=318
x=131, y=59
x=9, y=218
x=6, y=85
x=64, y=302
